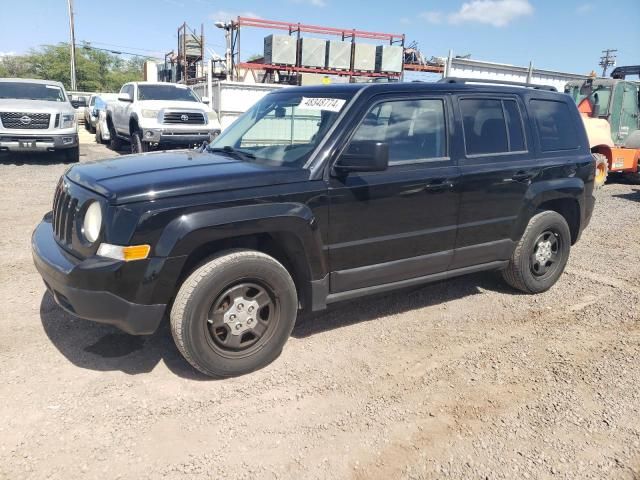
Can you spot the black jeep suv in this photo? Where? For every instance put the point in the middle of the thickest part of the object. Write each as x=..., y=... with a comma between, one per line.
x=316, y=195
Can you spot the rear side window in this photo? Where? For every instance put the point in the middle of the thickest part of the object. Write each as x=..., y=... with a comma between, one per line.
x=492, y=126
x=555, y=124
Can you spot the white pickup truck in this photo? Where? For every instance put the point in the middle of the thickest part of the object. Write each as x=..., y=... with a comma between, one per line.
x=152, y=115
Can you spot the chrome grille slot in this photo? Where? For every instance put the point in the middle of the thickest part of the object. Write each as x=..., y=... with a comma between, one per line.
x=25, y=120
x=184, y=118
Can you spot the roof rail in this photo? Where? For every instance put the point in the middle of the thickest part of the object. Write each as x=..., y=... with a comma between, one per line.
x=497, y=82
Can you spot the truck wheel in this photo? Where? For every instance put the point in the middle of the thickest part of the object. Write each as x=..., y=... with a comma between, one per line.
x=541, y=254
x=602, y=170
x=72, y=155
x=99, y=140
x=234, y=314
x=114, y=142
x=137, y=145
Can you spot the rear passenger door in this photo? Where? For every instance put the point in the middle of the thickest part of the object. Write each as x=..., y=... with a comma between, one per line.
x=399, y=223
x=497, y=167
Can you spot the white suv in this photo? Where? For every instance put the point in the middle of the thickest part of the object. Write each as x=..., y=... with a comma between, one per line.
x=153, y=114
x=36, y=115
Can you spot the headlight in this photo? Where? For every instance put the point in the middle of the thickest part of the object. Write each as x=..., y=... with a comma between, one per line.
x=92, y=222
x=150, y=113
x=212, y=116
x=68, y=121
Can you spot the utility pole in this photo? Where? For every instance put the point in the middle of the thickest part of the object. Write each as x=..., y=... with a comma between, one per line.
x=608, y=59
x=74, y=86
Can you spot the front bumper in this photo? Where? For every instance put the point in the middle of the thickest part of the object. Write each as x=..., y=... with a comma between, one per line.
x=71, y=283
x=37, y=142
x=170, y=136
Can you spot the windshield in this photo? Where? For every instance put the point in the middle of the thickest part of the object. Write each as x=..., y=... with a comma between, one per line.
x=31, y=91
x=598, y=96
x=166, y=92
x=282, y=129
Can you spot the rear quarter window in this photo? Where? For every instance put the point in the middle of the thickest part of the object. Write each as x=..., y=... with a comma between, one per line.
x=556, y=125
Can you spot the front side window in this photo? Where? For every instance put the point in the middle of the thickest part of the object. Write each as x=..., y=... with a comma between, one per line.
x=31, y=91
x=413, y=129
x=282, y=129
x=166, y=92
x=555, y=124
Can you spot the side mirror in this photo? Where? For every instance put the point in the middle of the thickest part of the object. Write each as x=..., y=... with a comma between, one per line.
x=205, y=100
x=364, y=156
x=125, y=97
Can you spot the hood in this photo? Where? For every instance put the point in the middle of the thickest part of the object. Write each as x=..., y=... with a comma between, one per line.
x=150, y=176
x=17, y=105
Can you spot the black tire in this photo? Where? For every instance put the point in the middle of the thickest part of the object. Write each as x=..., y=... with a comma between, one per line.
x=137, y=145
x=99, y=139
x=525, y=271
x=72, y=155
x=202, y=331
x=114, y=142
x=633, y=178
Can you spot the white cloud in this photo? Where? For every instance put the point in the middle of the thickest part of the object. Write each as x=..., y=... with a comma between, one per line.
x=313, y=3
x=225, y=15
x=497, y=13
x=405, y=21
x=7, y=54
x=432, y=17
x=584, y=8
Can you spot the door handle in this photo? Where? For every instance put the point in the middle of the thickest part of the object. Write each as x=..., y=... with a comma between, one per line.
x=439, y=185
x=522, y=176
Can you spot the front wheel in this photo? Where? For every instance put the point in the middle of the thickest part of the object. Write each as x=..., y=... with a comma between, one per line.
x=137, y=145
x=541, y=254
x=234, y=314
x=72, y=155
x=602, y=170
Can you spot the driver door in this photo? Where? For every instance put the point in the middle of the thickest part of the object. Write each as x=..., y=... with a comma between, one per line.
x=399, y=223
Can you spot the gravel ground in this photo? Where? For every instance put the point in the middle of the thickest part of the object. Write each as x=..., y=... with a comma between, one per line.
x=461, y=379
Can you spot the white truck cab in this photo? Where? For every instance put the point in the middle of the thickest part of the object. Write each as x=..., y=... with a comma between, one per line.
x=159, y=115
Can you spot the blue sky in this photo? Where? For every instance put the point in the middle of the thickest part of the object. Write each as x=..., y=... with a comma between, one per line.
x=565, y=35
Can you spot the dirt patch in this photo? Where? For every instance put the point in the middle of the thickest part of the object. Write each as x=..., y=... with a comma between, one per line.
x=460, y=379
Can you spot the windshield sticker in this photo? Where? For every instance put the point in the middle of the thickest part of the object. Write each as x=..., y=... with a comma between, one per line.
x=331, y=104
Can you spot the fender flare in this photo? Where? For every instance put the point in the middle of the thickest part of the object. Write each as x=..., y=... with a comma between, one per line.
x=188, y=232
x=545, y=191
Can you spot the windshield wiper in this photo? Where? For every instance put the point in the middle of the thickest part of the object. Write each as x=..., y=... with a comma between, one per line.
x=232, y=151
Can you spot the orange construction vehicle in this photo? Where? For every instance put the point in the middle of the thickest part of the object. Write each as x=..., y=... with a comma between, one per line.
x=610, y=110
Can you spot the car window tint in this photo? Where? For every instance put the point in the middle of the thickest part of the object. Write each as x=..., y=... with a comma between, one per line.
x=413, y=129
x=555, y=124
x=514, y=126
x=485, y=129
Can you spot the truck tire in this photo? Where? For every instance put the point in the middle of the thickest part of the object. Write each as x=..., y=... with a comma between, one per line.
x=114, y=142
x=137, y=145
x=99, y=139
x=234, y=314
x=541, y=254
x=602, y=170
x=72, y=155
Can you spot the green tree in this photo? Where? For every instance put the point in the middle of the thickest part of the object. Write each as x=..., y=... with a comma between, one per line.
x=96, y=70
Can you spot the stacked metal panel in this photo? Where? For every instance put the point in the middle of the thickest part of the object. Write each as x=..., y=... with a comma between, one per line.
x=389, y=58
x=312, y=52
x=338, y=55
x=280, y=50
x=364, y=57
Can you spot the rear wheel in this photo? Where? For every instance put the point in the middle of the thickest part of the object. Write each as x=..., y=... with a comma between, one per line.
x=602, y=170
x=541, y=254
x=234, y=314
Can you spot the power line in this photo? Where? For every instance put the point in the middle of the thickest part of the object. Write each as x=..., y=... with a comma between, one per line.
x=608, y=59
